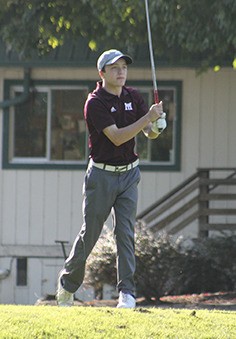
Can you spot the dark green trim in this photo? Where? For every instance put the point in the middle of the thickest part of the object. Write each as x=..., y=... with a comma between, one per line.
x=76, y=53
x=82, y=165
x=45, y=166
x=23, y=97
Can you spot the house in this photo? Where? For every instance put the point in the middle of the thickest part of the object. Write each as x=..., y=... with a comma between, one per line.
x=44, y=152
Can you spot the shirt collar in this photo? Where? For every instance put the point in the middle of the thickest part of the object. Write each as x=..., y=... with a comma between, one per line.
x=109, y=96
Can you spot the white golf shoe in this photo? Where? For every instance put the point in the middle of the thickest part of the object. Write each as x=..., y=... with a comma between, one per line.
x=64, y=298
x=126, y=300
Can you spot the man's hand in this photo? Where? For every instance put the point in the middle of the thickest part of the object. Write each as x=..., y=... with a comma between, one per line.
x=155, y=112
x=159, y=125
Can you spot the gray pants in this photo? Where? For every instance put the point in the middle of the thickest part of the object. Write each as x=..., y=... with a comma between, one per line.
x=104, y=190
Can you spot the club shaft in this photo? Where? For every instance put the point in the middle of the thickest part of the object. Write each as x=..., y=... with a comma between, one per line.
x=153, y=69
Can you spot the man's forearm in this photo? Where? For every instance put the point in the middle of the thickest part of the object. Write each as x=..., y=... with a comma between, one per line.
x=119, y=136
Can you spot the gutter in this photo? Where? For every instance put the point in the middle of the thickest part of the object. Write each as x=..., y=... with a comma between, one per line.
x=21, y=98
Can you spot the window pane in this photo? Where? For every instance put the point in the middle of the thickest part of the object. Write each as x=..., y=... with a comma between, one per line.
x=160, y=149
x=30, y=126
x=141, y=140
x=142, y=146
x=68, y=129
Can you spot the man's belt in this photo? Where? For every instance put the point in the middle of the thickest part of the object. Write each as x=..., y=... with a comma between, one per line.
x=122, y=168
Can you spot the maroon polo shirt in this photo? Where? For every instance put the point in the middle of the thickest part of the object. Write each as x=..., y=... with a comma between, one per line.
x=103, y=109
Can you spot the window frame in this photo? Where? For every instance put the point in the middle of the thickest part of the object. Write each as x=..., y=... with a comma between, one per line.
x=40, y=163
x=81, y=165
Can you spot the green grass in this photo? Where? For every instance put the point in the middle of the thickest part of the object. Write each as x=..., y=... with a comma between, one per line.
x=91, y=322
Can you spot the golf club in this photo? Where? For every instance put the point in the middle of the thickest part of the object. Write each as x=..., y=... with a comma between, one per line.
x=156, y=96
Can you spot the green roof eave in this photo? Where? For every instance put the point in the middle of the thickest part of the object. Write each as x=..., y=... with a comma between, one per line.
x=79, y=55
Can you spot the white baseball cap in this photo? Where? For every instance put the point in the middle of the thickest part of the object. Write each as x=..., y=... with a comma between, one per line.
x=110, y=57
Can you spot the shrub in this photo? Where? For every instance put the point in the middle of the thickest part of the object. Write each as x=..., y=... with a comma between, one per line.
x=166, y=266
x=157, y=264
x=156, y=267
x=208, y=265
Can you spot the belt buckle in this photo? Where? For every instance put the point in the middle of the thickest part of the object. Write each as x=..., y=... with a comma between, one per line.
x=120, y=169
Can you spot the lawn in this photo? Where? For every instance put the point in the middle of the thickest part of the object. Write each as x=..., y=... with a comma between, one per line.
x=24, y=322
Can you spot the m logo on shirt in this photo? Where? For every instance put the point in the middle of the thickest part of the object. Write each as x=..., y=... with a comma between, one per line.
x=128, y=106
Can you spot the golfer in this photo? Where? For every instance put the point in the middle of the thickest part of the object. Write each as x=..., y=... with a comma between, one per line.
x=114, y=114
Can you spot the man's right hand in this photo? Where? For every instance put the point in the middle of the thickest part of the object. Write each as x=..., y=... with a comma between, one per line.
x=155, y=111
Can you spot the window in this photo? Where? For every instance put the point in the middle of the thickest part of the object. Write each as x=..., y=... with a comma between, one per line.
x=49, y=128
x=162, y=152
x=21, y=272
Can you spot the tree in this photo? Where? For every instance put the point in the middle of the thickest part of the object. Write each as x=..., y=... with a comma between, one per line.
x=184, y=31
x=202, y=30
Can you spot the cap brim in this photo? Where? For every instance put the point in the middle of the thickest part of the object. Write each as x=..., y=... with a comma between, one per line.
x=127, y=58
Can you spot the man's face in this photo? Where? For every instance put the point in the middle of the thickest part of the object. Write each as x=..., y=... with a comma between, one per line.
x=116, y=74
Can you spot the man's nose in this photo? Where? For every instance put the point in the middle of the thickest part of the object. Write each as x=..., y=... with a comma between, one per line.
x=121, y=70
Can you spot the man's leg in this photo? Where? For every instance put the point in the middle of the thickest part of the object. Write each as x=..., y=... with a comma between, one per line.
x=125, y=217
x=98, y=201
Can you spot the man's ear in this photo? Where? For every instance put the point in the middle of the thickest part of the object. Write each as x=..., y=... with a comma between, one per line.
x=101, y=74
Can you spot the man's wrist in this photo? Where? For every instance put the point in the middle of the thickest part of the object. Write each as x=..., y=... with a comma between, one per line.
x=147, y=118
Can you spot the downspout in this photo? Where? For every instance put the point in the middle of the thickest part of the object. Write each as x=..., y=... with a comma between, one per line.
x=21, y=98
x=4, y=273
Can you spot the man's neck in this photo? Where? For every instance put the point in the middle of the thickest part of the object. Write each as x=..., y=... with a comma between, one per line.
x=116, y=90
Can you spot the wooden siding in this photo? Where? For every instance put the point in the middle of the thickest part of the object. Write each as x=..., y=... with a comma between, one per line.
x=38, y=207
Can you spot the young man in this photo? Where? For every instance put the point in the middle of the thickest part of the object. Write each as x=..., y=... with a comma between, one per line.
x=114, y=114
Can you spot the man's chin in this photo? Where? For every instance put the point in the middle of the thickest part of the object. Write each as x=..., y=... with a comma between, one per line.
x=121, y=82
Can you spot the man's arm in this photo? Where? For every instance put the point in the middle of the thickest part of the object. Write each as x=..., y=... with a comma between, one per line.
x=119, y=136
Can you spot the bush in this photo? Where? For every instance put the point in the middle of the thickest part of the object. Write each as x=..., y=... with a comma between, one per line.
x=157, y=264
x=208, y=265
x=166, y=266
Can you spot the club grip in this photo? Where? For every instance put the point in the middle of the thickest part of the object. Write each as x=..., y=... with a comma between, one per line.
x=156, y=97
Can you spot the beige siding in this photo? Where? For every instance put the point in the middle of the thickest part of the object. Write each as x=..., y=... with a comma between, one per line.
x=38, y=207
x=231, y=135
x=205, y=122
x=8, y=217
x=36, y=213
x=22, y=207
x=208, y=129
x=42, y=206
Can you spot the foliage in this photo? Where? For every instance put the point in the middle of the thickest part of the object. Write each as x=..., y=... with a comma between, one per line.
x=27, y=322
x=183, y=30
x=52, y=22
x=157, y=260
x=207, y=265
x=165, y=266
x=200, y=30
